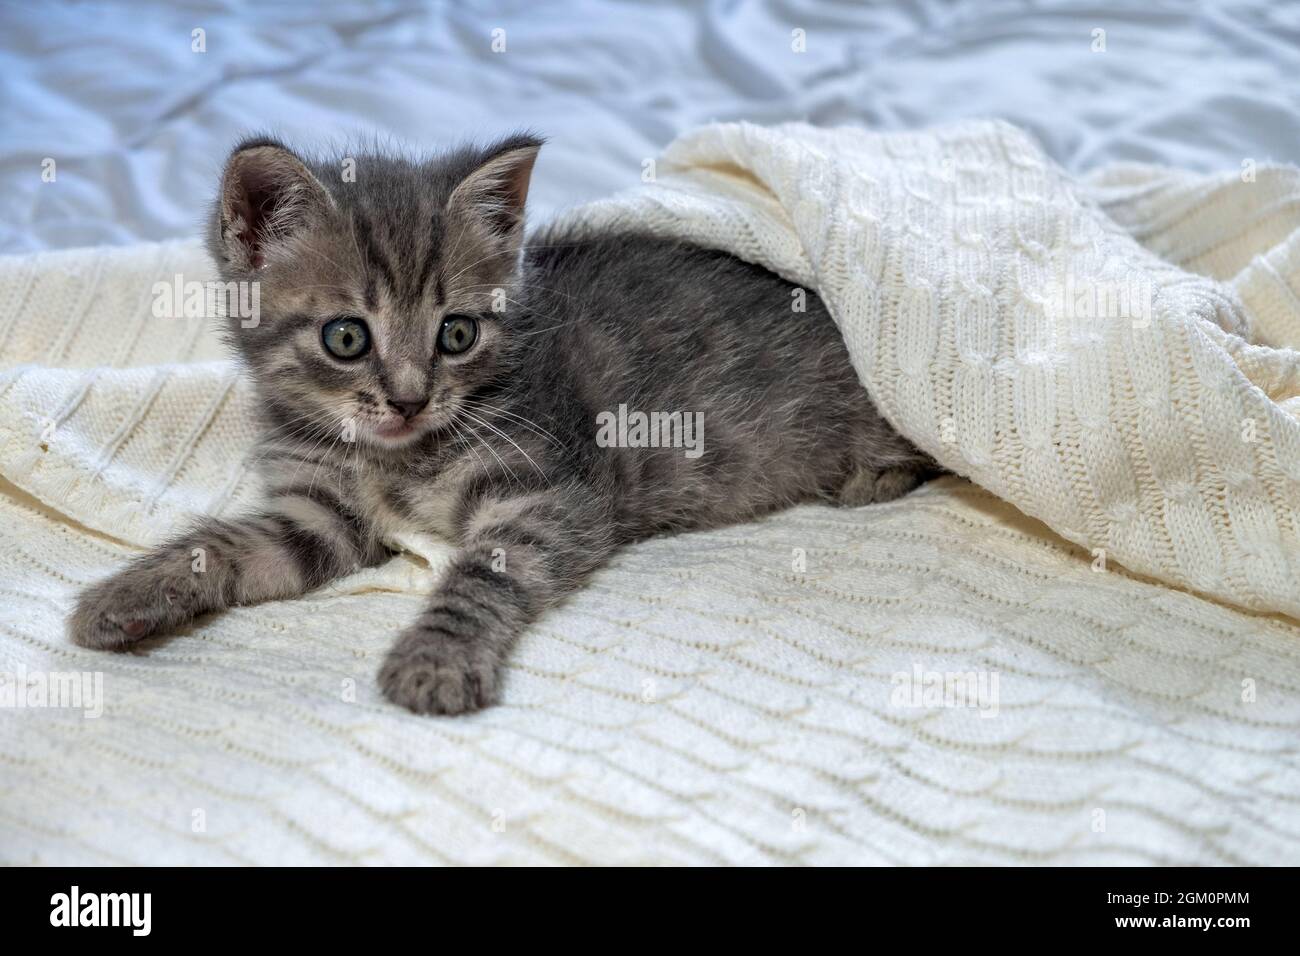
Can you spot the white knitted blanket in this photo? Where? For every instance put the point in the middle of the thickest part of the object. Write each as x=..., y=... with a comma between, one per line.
x=1007, y=326
x=937, y=680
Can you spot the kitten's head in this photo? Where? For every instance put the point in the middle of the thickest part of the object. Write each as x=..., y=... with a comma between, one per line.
x=381, y=282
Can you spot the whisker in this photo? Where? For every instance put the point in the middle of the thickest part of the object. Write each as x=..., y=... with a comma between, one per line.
x=498, y=431
x=455, y=432
x=338, y=427
x=527, y=423
x=510, y=471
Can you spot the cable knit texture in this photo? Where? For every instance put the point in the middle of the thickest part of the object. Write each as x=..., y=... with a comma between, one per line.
x=1003, y=322
x=750, y=695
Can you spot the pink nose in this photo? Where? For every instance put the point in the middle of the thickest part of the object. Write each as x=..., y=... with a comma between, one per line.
x=409, y=410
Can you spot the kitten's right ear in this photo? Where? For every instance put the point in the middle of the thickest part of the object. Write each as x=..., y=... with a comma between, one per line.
x=496, y=191
x=267, y=195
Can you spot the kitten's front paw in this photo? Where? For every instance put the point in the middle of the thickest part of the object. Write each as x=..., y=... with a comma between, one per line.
x=432, y=673
x=128, y=607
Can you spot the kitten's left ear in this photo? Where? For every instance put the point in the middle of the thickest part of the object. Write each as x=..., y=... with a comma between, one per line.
x=495, y=192
x=267, y=196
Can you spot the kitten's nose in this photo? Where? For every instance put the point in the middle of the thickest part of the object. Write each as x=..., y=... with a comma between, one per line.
x=409, y=409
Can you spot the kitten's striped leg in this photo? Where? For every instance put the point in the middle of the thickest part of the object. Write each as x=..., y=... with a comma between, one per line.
x=303, y=538
x=520, y=555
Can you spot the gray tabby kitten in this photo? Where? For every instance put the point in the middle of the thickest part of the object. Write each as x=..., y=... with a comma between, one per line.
x=420, y=367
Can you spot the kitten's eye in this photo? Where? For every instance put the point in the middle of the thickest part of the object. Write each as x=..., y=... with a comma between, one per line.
x=346, y=338
x=458, y=333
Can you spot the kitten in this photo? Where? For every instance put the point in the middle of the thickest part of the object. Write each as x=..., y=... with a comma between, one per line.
x=419, y=367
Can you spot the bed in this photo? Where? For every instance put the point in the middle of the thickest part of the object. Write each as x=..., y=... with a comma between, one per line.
x=729, y=697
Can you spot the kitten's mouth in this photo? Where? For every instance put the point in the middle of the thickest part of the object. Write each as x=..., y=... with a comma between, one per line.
x=399, y=430
x=395, y=431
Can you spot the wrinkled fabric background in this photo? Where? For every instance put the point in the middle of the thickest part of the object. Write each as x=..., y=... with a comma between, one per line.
x=139, y=124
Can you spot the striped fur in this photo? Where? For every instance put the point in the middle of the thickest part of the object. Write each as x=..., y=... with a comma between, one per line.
x=503, y=459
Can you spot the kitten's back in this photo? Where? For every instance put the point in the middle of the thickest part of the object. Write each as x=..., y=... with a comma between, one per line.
x=666, y=326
